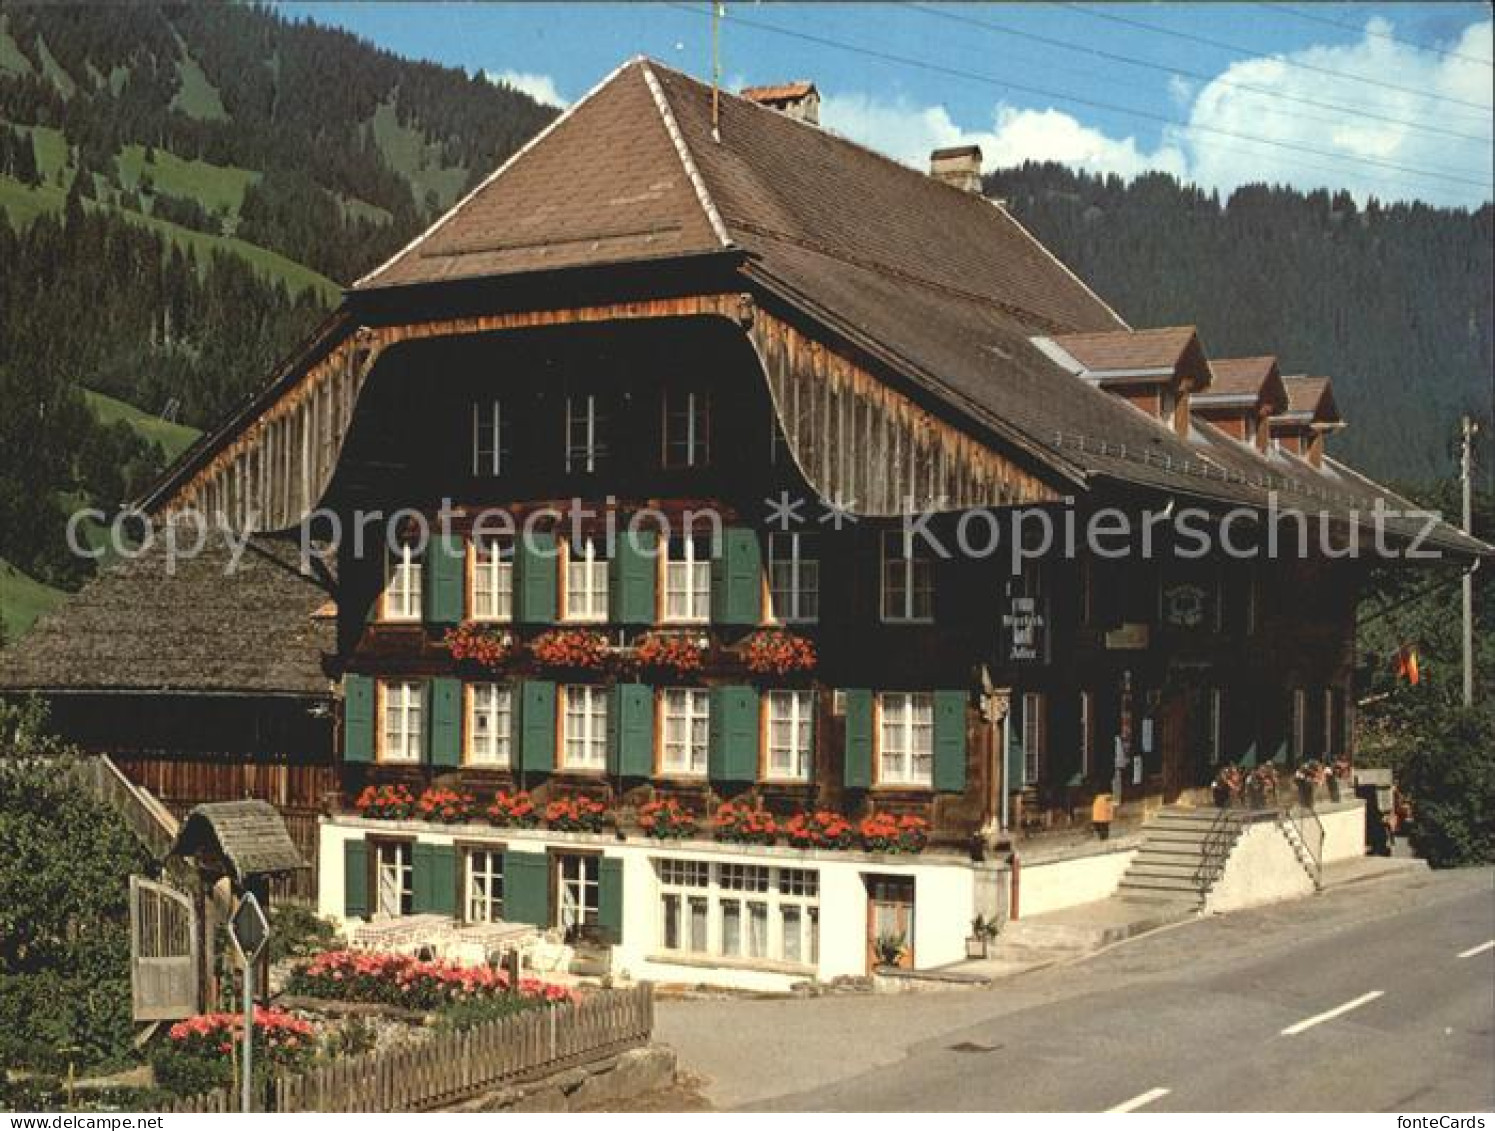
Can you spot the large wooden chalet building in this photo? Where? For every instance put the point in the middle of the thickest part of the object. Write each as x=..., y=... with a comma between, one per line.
x=673, y=302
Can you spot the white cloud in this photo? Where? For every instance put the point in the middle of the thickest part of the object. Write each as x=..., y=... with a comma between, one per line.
x=539, y=87
x=1204, y=154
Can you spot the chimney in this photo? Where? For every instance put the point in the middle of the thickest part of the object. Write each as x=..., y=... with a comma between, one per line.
x=799, y=100
x=960, y=165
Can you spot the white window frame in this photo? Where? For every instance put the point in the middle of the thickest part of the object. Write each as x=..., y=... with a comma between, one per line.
x=584, y=412
x=405, y=698
x=483, y=876
x=776, y=896
x=687, y=578
x=493, y=704
x=684, y=731
x=695, y=417
x=578, y=901
x=905, y=576
x=1033, y=736
x=794, y=710
x=402, y=596
x=394, y=873
x=905, y=723
x=488, y=452
x=491, y=566
x=586, y=591
x=584, y=709
x=799, y=601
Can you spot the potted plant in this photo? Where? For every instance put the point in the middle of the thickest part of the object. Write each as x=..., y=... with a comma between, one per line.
x=1308, y=776
x=889, y=950
x=978, y=942
x=1339, y=774
x=1261, y=786
x=1227, y=786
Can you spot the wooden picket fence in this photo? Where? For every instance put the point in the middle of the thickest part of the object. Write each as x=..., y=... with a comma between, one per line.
x=454, y=1066
x=218, y=1100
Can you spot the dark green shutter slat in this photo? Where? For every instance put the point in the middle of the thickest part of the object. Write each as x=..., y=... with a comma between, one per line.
x=950, y=741
x=355, y=879
x=737, y=578
x=358, y=718
x=434, y=883
x=445, y=734
x=527, y=888
x=420, y=879
x=536, y=563
x=537, y=726
x=1016, y=770
x=610, y=898
x=633, y=572
x=630, y=725
x=445, y=577
x=858, y=769
x=733, y=753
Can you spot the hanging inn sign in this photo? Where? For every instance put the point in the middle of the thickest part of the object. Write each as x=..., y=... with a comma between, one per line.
x=1025, y=630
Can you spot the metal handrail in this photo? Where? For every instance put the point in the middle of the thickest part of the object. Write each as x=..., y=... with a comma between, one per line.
x=1298, y=818
x=1215, y=851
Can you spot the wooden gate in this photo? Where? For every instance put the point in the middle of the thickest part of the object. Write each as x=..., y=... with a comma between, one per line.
x=164, y=968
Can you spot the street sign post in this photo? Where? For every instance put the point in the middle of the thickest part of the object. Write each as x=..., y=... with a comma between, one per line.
x=249, y=930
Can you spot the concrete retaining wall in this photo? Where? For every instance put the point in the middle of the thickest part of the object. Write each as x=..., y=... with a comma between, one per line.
x=606, y=1085
x=1344, y=829
x=1054, y=884
x=1263, y=868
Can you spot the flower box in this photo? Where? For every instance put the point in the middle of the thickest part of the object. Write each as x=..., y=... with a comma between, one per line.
x=480, y=645
x=575, y=815
x=678, y=652
x=576, y=648
x=774, y=651
x=512, y=810
x=445, y=806
x=385, y=802
x=667, y=819
x=744, y=824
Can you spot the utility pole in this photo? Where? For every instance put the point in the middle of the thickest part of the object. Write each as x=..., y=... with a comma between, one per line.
x=1466, y=478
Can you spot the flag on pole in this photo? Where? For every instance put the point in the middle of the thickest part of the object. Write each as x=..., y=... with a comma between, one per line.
x=1406, y=664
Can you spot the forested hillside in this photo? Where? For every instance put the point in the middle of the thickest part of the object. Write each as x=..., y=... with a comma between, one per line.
x=1394, y=302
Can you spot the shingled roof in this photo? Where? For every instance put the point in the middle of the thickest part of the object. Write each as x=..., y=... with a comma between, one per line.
x=1311, y=398
x=250, y=836
x=1245, y=377
x=196, y=626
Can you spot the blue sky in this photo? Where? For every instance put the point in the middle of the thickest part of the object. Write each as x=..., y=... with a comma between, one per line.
x=1384, y=99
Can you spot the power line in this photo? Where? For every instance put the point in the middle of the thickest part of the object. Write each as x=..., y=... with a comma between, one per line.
x=1218, y=81
x=1399, y=41
x=1297, y=64
x=1005, y=84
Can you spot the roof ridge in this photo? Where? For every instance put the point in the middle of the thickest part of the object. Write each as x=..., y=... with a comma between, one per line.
x=692, y=173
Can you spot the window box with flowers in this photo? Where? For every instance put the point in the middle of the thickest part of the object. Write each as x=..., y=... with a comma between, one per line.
x=576, y=649
x=741, y=823
x=821, y=829
x=666, y=819
x=385, y=802
x=575, y=815
x=480, y=645
x=512, y=810
x=445, y=806
x=885, y=832
x=682, y=653
x=774, y=651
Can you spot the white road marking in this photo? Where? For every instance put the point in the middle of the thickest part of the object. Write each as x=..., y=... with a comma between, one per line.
x=1480, y=949
x=1329, y=1015
x=1140, y=1101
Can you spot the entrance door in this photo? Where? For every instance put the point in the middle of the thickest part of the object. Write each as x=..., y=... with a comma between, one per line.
x=890, y=921
x=1174, y=723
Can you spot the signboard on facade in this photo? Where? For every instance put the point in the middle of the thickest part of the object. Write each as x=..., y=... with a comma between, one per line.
x=1131, y=637
x=1025, y=625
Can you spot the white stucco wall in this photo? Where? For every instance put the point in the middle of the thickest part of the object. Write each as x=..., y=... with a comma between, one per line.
x=1054, y=884
x=1263, y=868
x=1344, y=830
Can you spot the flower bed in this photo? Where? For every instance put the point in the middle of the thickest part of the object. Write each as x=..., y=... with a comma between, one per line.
x=744, y=824
x=667, y=819
x=821, y=829
x=575, y=815
x=385, y=802
x=883, y=832
x=773, y=651
x=512, y=810
x=199, y=1052
x=677, y=652
x=446, y=806
x=571, y=648
x=405, y=982
x=479, y=644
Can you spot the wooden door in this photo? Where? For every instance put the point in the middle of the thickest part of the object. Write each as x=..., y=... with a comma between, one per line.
x=164, y=972
x=1173, y=721
x=890, y=919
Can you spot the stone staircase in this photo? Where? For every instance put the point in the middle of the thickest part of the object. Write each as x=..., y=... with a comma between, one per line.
x=1182, y=855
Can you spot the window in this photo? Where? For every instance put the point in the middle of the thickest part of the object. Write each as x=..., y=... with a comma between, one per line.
x=687, y=428
x=907, y=580
x=492, y=578
x=576, y=890
x=789, y=735
x=586, y=582
x=402, y=591
x=1033, y=736
x=490, y=455
x=793, y=578
x=1216, y=726
x=490, y=725
x=687, y=579
x=585, y=728
x=403, y=730
x=1087, y=733
x=740, y=911
x=906, y=738
x=585, y=424
x=393, y=877
x=687, y=728
x=485, y=886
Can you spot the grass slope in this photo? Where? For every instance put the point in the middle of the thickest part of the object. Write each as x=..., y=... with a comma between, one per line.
x=408, y=153
x=173, y=438
x=23, y=599
x=215, y=187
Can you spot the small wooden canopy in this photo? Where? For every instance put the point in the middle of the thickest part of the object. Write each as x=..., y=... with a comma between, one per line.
x=247, y=839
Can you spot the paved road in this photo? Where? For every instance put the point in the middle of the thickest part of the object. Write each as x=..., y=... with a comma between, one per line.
x=1188, y=1019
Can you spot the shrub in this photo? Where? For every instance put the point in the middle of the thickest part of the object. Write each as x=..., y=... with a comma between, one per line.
x=297, y=931
x=198, y=1053
x=479, y=1011
x=1449, y=778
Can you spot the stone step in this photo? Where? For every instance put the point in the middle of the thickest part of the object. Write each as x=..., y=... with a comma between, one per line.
x=1163, y=868
x=1159, y=883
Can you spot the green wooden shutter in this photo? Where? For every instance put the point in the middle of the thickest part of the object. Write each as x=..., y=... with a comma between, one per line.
x=630, y=725
x=536, y=563
x=634, y=568
x=527, y=888
x=950, y=741
x=733, y=752
x=355, y=879
x=1016, y=775
x=445, y=732
x=445, y=579
x=857, y=773
x=358, y=718
x=610, y=898
x=434, y=879
x=737, y=578
x=537, y=726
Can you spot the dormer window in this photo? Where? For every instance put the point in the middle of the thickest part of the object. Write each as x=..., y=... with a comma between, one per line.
x=687, y=427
